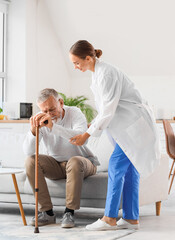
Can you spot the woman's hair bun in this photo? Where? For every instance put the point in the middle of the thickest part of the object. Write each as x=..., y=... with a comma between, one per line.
x=98, y=53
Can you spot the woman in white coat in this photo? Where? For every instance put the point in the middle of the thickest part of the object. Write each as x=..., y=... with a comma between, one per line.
x=130, y=126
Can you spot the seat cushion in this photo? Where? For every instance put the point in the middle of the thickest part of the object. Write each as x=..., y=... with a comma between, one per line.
x=93, y=187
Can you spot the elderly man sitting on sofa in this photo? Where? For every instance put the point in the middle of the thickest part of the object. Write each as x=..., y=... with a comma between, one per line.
x=63, y=161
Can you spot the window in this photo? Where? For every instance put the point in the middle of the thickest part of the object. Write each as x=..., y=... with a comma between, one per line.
x=3, y=10
x=1, y=41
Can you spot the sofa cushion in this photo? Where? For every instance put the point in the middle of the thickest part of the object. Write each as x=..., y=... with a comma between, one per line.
x=57, y=187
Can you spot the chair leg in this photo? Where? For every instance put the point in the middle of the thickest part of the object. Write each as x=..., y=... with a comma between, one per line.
x=158, y=206
x=171, y=182
x=171, y=169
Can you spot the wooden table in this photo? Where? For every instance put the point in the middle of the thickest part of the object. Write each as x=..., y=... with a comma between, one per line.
x=14, y=171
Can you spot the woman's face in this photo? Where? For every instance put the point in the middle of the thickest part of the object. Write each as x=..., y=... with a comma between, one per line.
x=81, y=64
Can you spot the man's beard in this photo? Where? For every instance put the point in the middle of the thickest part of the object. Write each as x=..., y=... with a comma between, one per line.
x=56, y=119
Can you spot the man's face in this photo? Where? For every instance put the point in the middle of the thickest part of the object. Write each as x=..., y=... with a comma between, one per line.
x=52, y=107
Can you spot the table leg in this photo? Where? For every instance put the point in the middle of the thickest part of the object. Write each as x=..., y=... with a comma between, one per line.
x=19, y=199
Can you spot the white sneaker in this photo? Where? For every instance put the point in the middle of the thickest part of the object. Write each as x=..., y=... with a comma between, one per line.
x=121, y=224
x=100, y=225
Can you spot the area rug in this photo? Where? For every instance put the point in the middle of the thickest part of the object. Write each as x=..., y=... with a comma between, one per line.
x=55, y=232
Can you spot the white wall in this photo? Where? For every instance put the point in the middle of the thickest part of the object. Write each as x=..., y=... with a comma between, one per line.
x=34, y=57
x=159, y=92
x=137, y=36
x=44, y=61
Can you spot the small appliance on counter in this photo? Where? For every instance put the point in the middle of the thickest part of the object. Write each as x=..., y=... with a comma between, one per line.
x=18, y=110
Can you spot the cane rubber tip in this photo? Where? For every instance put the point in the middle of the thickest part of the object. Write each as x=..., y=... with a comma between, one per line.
x=36, y=230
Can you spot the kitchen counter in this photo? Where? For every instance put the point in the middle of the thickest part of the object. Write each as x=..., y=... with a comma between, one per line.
x=15, y=121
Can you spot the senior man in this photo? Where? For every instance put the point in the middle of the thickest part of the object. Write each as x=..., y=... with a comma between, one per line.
x=63, y=160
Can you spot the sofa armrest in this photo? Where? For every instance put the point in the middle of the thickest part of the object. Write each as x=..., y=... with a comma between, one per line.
x=155, y=188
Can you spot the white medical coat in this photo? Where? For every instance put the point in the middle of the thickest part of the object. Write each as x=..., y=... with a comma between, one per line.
x=126, y=116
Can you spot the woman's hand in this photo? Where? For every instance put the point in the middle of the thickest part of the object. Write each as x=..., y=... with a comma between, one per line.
x=79, y=139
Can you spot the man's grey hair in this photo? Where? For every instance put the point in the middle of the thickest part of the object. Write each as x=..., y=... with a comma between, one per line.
x=46, y=93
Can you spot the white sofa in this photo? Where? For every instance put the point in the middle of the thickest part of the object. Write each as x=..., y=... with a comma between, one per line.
x=152, y=190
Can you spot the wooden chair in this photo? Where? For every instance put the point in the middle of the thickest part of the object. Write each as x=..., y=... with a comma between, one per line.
x=170, y=147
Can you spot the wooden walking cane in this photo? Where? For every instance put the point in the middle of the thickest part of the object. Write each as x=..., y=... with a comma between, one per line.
x=36, y=177
x=36, y=180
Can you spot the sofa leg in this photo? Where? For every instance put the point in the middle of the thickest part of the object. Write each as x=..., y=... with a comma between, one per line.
x=158, y=206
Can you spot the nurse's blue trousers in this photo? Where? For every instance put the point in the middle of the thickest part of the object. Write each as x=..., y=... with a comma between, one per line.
x=122, y=177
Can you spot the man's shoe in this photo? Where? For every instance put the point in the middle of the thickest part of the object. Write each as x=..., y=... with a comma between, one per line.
x=43, y=219
x=67, y=220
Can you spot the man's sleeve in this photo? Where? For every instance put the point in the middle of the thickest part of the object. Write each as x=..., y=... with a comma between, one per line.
x=78, y=125
x=29, y=143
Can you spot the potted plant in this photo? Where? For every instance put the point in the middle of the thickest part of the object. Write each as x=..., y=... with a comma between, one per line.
x=1, y=116
x=79, y=102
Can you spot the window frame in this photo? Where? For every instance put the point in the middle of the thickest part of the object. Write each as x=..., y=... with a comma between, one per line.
x=3, y=73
